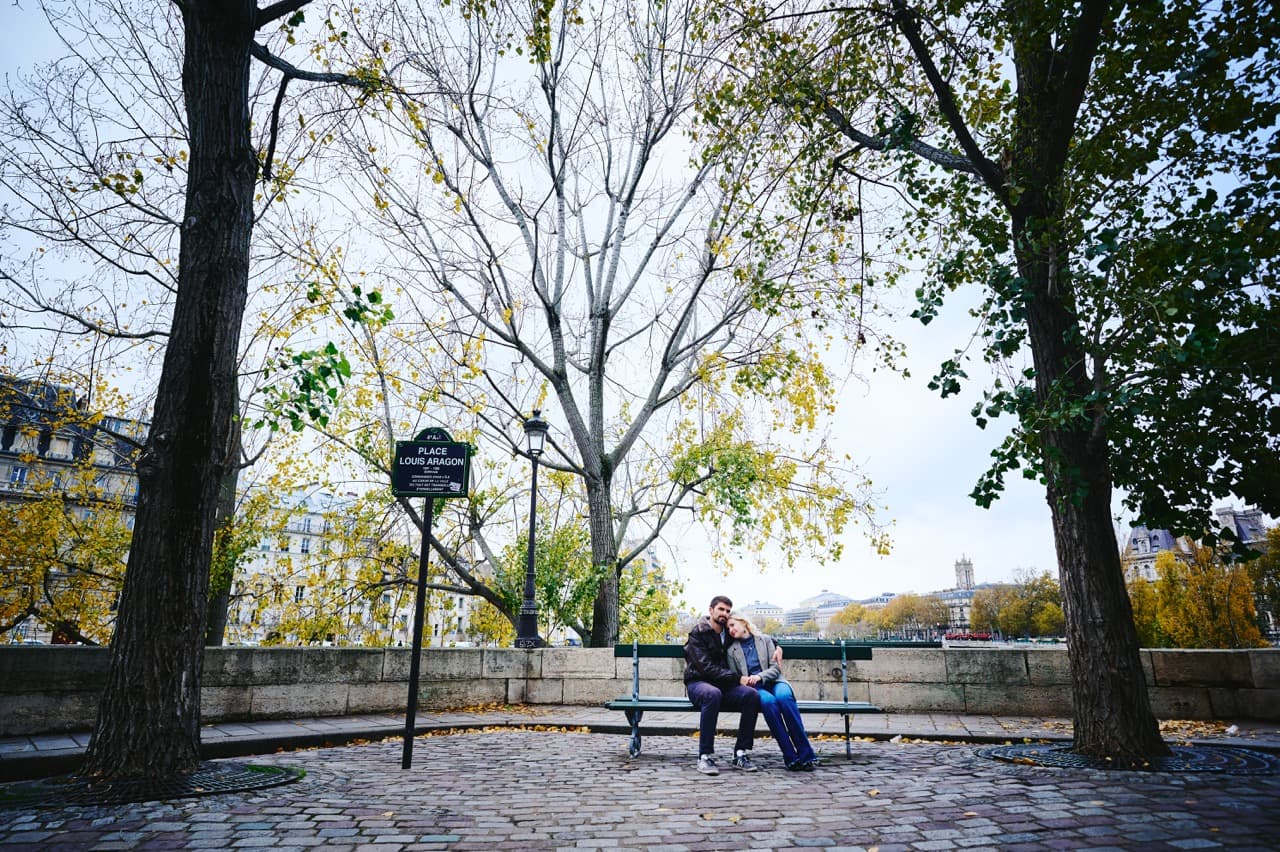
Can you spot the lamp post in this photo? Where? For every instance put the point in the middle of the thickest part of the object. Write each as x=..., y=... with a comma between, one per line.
x=535, y=432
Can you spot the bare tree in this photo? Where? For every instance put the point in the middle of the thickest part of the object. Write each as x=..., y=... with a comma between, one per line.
x=558, y=240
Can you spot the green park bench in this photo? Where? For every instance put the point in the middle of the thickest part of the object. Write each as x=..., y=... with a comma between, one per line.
x=635, y=705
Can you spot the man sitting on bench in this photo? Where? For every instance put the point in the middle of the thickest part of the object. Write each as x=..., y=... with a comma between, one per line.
x=711, y=684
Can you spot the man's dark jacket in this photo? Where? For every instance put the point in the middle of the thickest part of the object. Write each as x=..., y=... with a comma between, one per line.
x=705, y=657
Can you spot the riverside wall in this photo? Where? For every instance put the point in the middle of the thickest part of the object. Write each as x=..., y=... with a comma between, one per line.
x=46, y=689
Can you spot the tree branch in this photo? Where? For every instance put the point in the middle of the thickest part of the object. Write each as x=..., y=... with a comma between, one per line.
x=946, y=159
x=292, y=72
x=276, y=11
x=1075, y=77
x=992, y=175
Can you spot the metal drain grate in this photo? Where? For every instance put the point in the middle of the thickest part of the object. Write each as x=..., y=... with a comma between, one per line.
x=210, y=779
x=1230, y=760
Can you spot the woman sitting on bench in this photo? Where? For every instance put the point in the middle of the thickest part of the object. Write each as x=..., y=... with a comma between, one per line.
x=747, y=655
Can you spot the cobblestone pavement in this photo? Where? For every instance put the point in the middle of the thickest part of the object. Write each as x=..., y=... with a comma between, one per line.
x=549, y=789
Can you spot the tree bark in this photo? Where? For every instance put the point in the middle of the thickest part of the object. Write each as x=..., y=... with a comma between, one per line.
x=149, y=717
x=604, y=553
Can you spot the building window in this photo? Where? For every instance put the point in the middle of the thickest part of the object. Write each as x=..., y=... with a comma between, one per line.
x=299, y=593
x=306, y=545
x=18, y=476
x=306, y=525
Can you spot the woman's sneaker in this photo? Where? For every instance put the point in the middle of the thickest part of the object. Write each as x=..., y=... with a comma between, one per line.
x=742, y=760
x=707, y=765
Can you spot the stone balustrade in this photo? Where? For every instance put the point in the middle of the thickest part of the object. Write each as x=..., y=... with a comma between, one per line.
x=45, y=689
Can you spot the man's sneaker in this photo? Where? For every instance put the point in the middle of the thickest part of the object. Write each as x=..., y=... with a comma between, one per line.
x=707, y=765
x=742, y=760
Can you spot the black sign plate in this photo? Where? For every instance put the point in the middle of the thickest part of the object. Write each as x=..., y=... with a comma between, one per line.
x=431, y=469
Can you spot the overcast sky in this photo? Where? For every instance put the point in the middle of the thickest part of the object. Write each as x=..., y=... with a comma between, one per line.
x=24, y=35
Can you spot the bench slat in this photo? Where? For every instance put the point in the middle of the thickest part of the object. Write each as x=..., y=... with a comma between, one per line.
x=627, y=703
x=823, y=652
x=677, y=704
x=838, y=707
x=650, y=650
x=790, y=651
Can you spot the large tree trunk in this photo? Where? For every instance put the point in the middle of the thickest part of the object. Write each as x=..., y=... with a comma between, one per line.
x=1111, y=711
x=149, y=717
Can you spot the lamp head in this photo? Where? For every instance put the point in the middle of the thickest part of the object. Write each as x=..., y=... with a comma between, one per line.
x=535, y=433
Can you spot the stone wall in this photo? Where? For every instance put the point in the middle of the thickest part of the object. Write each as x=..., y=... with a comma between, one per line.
x=45, y=689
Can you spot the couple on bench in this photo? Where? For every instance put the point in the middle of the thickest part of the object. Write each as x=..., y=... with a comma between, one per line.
x=729, y=665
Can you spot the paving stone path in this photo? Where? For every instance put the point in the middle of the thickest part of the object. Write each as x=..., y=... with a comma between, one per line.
x=558, y=790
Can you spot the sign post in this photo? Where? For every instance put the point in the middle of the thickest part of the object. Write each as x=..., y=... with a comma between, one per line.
x=431, y=466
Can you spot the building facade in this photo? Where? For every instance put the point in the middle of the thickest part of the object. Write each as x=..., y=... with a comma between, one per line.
x=760, y=613
x=1144, y=545
x=1142, y=548
x=316, y=578
x=51, y=443
x=56, y=452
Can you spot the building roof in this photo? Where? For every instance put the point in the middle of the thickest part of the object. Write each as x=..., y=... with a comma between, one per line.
x=826, y=598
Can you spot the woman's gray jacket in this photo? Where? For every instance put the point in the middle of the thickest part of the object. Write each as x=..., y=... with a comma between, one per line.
x=764, y=650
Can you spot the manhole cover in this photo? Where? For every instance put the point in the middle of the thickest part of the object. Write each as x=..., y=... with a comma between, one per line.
x=1231, y=760
x=210, y=779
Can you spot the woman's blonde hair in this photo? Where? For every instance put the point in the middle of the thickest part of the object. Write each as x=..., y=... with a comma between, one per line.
x=746, y=622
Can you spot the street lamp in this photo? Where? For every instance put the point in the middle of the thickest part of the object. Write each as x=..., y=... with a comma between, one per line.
x=535, y=432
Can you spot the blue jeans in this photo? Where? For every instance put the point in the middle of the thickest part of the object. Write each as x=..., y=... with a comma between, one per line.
x=778, y=705
x=709, y=698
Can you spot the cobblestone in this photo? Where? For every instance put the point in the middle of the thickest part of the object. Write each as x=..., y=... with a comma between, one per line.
x=552, y=790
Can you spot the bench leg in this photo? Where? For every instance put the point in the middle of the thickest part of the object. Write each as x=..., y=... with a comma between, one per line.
x=634, y=717
x=848, y=751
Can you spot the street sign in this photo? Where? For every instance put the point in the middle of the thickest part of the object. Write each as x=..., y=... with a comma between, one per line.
x=431, y=469
x=432, y=465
